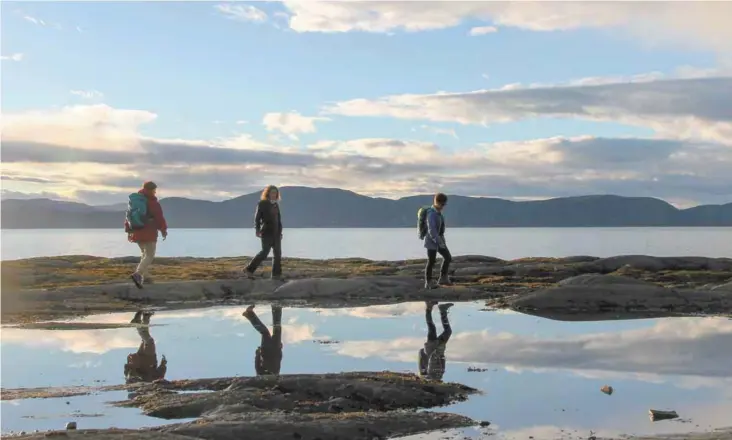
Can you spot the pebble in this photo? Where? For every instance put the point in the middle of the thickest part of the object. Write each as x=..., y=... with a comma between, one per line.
x=71, y=425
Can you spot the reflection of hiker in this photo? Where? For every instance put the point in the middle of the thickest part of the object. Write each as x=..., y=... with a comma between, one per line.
x=433, y=233
x=432, y=356
x=143, y=220
x=143, y=365
x=268, y=356
x=268, y=227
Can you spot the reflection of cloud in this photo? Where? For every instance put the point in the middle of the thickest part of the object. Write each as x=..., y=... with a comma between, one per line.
x=687, y=347
x=382, y=311
x=75, y=341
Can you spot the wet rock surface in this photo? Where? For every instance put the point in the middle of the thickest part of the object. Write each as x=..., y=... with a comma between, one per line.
x=329, y=406
x=563, y=288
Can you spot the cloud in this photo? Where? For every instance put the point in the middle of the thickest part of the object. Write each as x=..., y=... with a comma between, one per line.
x=34, y=20
x=380, y=311
x=12, y=57
x=291, y=123
x=93, y=152
x=683, y=24
x=483, y=30
x=438, y=130
x=242, y=12
x=662, y=349
x=696, y=108
x=87, y=94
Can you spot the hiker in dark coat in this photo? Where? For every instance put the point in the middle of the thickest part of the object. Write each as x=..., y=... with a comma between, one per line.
x=268, y=227
x=432, y=356
x=435, y=243
x=268, y=356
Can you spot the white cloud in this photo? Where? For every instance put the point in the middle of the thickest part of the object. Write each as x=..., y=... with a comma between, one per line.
x=663, y=349
x=96, y=151
x=12, y=57
x=483, y=30
x=242, y=12
x=87, y=94
x=291, y=123
x=241, y=122
x=34, y=20
x=438, y=130
x=693, y=109
x=84, y=126
x=692, y=24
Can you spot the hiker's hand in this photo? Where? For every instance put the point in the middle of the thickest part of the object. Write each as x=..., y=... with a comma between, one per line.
x=259, y=234
x=165, y=235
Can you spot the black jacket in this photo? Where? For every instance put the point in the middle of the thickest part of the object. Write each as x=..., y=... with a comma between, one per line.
x=265, y=221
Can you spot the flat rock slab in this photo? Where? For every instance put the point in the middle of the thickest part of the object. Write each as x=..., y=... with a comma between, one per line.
x=358, y=405
x=589, y=295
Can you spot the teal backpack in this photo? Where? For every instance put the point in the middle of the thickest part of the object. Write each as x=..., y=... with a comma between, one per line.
x=136, y=214
x=422, y=221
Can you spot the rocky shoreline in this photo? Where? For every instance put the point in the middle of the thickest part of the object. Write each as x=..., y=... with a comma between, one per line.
x=572, y=288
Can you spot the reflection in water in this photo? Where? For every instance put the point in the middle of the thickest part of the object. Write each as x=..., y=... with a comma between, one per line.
x=268, y=356
x=142, y=366
x=432, y=356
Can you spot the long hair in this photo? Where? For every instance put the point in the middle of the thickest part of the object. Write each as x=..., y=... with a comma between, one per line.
x=269, y=189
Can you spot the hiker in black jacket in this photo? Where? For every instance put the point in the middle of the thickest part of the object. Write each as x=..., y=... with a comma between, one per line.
x=268, y=227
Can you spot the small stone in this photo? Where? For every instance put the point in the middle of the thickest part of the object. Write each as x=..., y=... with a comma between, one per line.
x=484, y=424
x=607, y=389
x=71, y=425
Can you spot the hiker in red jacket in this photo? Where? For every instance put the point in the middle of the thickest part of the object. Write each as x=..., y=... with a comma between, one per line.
x=147, y=236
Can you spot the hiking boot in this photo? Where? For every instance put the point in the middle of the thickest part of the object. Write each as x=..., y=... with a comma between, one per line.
x=445, y=307
x=249, y=311
x=277, y=278
x=138, y=318
x=429, y=284
x=137, y=279
x=146, y=316
x=445, y=281
x=249, y=274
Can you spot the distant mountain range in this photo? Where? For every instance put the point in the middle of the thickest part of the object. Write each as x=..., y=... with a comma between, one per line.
x=334, y=208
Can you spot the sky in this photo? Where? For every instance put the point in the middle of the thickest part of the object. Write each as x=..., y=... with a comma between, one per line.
x=518, y=100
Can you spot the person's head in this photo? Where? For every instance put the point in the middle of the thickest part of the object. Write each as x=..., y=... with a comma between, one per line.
x=271, y=193
x=440, y=201
x=150, y=187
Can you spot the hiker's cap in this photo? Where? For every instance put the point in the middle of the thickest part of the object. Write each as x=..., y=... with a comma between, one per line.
x=149, y=185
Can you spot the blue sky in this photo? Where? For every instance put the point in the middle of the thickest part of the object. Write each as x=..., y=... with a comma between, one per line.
x=204, y=68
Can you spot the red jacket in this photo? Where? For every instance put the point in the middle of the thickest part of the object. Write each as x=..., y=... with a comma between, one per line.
x=156, y=223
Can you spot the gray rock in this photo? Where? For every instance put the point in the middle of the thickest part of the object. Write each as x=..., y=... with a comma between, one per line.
x=591, y=279
x=71, y=425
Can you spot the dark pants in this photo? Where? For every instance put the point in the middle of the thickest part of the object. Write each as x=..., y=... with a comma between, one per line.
x=268, y=357
x=432, y=259
x=273, y=243
x=432, y=330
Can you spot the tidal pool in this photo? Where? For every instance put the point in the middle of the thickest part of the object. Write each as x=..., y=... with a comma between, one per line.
x=539, y=378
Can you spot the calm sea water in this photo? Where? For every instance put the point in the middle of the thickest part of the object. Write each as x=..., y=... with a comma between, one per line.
x=540, y=377
x=382, y=244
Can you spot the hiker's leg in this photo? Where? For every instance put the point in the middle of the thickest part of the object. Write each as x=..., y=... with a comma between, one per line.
x=147, y=250
x=261, y=256
x=147, y=347
x=277, y=325
x=446, y=260
x=277, y=257
x=431, y=329
x=446, y=329
x=431, y=258
x=257, y=324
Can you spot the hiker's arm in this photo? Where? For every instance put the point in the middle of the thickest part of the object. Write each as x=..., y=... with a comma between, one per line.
x=279, y=219
x=258, y=219
x=433, y=226
x=159, y=217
